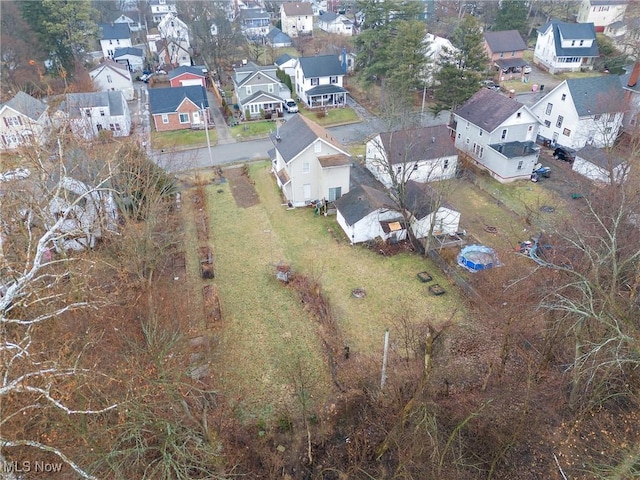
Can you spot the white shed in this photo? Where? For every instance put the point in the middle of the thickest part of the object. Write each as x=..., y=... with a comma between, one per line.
x=599, y=165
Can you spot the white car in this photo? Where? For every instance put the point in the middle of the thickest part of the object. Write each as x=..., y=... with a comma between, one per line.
x=291, y=106
x=527, y=69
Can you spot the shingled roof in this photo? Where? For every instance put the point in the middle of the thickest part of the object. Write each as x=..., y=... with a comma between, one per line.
x=361, y=201
x=488, y=109
x=572, y=31
x=416, y=144
x=195, y=70
x=321, y=66
x=297, y=8
x=504, y=41
x=27, y=105
x=115, y=31
x=167, y=100
x=298, y=133
x=597, y=95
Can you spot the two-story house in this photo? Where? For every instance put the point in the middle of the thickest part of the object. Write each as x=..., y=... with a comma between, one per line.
x=505, y=50
x=331, y=22
x=424, y=154
x=319, y=81
x=179, y=108
x=160, y=8
x=296, y=18
x=87, y=114
x=309, y=163
x=174, y=46
x=497, y=133
x=566, y=47
x=110, y=76
x=255, y=23
x=601, y=13
x=258, y=90
x=24, y=121
x=114, y=35
x=134, y=25
x=582, y=111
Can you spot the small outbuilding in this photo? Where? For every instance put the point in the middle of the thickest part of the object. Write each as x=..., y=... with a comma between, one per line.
x=600, y=165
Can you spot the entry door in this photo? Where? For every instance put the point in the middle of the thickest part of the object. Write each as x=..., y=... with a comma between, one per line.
x=555, y=138
x=307, y=191
x=196, y=118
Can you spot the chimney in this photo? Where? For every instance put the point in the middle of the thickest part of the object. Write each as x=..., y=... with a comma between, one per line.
x=635, y=73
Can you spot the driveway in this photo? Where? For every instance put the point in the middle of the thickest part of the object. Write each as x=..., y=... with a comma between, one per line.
x=222, y=129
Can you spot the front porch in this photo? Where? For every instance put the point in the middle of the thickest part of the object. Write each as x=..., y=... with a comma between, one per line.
x=324, y=96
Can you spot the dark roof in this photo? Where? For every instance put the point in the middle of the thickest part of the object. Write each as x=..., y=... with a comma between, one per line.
x=516, y=149
x=297, y=8
x=167, y=100
x=417, y=144
x=73, y=102
x=115, y=31
x=136, y=52
x=321, y=66
x=276, y=35
x=420, y=198
x=599, y=157
x=511, y=62
x=361, y=201
x=195, y=70
x=504, y=41
x=572, y=31
x=298, y=133
x=325, y=90
x=284, y=58
x=261, y=93
x=594, y=95
x=488, y=109
x=328, y=17
x=250, y=13
x=27, y=105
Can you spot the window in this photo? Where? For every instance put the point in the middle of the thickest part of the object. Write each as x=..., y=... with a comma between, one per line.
x=501, y=54
x=306, y=167
x=317, y=147
x=102, y=113
x=446, y=163
x=559, y=121
x=513, y=54
x=564, y=97
x=520, y=165
x=530, y=128
x=467, y=125
x=335, y=193
x=415, y=167
x=315, y=81
x=519, y=115
x=333, y=79
x=611, y=117
x=481, y=152
x=504, y=134
x=467, y=140
x=12, y=121
x=87, y=112
x=607, y=130
x=549, y=108
x=109, y=80
x=399, y=170
x=597, y=117
x=480, y=132
x=112, y=127
x=566, y=132
x=581, y=42
x=165, y=118
x=458, y=134
x=248, y=88
x=573, y=43
x=184, y=118
x=270, y=88
x=547, y=123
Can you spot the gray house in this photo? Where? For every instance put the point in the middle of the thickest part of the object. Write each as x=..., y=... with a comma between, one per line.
x=258, y=90
x=497, y=133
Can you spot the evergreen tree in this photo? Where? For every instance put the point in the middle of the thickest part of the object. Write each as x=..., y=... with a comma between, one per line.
x=407, y=52
x=512, y=15
x=461, y=71
x=65, y=29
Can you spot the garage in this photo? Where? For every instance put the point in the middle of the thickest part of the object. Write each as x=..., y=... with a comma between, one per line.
x=190, y=82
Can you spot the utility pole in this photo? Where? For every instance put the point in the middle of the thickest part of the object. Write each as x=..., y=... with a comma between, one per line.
x=206, y=129
x=385, y=355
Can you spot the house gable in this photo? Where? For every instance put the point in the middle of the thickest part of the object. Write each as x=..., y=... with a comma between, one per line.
x=487, y=109
x=505, y=41
x=320, y=66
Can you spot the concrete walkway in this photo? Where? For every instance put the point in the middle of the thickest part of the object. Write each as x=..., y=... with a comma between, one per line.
x=222, y=129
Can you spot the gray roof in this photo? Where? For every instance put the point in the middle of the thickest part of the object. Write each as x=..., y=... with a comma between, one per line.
x=608, y=2
x=325, y=90
x=250, y=13
x=321, y=66
x=297, y=134
x=167, y=100
x=284, y=58
x=297, y=8
x=136, y=52
x=505, y=41
x=195, y=70
x=73, y=102
x=488, y=109
x=276, y=36
x=595, y=95
x=413, y=145
x=115, y=31
x=572, y=31
x=27, y=105
x=420, y=199
x=361, y=201
x=599, y=157
x=328, y=17
x=516, y=149
x=265, y=98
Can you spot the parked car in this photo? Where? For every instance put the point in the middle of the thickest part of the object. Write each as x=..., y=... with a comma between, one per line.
x=291, y=106
x=527, y=69
x=564, y=154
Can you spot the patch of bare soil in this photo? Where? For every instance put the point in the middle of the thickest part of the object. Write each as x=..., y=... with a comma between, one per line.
x=242, y=187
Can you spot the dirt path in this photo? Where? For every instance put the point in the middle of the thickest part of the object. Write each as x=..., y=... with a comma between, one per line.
x=242, y=189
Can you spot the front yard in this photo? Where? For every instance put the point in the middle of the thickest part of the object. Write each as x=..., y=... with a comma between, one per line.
x=177, y=139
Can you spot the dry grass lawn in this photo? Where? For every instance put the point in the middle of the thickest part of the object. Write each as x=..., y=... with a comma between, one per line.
x=266, y=331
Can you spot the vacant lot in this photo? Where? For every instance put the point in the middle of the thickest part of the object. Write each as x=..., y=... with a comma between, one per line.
x=267, y=333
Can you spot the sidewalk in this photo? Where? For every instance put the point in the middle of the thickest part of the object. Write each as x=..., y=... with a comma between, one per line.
x=222, y=129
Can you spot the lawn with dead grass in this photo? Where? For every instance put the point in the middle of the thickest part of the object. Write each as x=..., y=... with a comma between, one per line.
x=266, y=330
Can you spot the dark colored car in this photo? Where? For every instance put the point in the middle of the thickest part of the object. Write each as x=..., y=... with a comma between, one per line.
x=564, y=154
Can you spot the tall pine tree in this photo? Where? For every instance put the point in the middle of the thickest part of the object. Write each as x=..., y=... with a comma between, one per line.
x=512, y=15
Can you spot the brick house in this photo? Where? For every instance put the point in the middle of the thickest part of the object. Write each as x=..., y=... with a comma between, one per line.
x=505, y=50
x=179, y=108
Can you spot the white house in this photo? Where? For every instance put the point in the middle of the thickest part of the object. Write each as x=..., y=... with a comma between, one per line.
x=599, y=165
x=24, y=120
x=296, y=18
x=367, y=214
x=566, y=47
x=174, y=47
x=422, y=154
x=319, y=81
x=132, y=57
x=429, y=214
x=309, y=163
x=601, y=13
x=87, y=114
x=287, y=64
x=115, y=35
x=134, y=25
x=497, y=134
x=258, y=90
x=331, y=22
x=160, y=8
x=582, y=111
x=110, y=76
x=436, y=48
